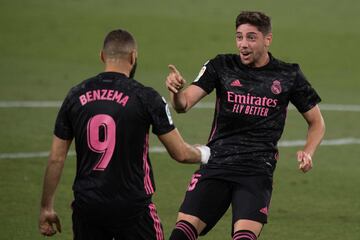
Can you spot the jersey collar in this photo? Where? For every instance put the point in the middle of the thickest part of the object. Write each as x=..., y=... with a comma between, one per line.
x=112, y=75
x=266, y=66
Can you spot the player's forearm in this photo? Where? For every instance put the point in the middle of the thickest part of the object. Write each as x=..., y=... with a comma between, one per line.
x=315, y=135
x=191, y=154
x=178, y=101
x=179, y=150
x=58, y=153
x=185, y=153
x=51, y=180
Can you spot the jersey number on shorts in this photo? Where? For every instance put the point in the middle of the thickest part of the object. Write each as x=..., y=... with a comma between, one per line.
x=102, y=123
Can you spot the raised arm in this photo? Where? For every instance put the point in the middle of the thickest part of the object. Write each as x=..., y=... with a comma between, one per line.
x=316, y=131
x=48, y=216
x=182, y=151
x=182, y=100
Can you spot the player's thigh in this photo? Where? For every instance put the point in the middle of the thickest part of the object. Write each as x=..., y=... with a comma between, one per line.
x=207, y=199
x=251, y=200
x=148, y=227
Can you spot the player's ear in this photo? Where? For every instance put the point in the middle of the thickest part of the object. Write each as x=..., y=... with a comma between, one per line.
x=268, y=39
x=133, y=56
x=102, y=57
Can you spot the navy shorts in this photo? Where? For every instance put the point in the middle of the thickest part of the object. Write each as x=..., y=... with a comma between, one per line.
x=211, y=191
x=147, y=226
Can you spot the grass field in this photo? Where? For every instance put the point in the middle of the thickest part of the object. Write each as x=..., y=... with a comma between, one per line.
x=47, y=47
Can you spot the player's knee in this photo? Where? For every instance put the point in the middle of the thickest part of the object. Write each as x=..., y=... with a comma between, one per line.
x=184, y=231
x=244, y=235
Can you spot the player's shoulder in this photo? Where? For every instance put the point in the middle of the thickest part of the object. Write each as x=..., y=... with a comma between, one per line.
x=140, y=87
x=80, y=87
x=144, y=92
x=283, y=65
x=225, y=58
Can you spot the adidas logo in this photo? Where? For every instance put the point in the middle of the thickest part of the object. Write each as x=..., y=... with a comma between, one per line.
x=264, y=211
x=236, y=83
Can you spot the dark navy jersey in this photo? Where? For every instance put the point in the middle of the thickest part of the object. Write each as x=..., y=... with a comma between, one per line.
x=109, y=116
x=250, y=111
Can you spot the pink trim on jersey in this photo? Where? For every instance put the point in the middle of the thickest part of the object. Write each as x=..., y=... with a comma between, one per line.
x=217, y=113
x=187, y=230
x=157, y=224
x=149, y=189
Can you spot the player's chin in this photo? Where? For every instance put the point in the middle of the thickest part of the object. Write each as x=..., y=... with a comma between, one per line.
x=246, y=59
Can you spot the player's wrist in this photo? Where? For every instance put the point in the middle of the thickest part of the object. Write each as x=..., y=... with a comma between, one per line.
x=205, y=153
x=308, y=154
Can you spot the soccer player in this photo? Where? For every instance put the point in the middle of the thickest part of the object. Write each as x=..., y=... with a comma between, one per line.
x=253, y=90
x=109, y=115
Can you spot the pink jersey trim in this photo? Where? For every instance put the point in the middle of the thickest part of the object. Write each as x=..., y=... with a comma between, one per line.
x=149, y=189
x=157, y=224
x=217, y=106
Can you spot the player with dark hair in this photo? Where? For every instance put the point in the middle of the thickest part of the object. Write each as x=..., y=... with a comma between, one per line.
x=253, y=90
x=109, y=116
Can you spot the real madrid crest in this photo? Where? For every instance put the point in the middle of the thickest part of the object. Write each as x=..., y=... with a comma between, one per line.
x=276, y=87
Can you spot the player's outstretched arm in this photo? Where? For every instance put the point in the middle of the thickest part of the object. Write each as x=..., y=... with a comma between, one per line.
x=48, y=217
x=182, y=151
x=316, y=131
x=182, y=99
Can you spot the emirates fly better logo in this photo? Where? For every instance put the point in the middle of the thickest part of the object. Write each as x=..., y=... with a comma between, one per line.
x=250, y=103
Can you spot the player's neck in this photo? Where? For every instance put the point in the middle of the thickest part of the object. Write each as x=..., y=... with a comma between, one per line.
x=118, y=69
x=263, y=60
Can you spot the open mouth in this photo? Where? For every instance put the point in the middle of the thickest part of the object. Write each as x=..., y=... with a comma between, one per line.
x=245, y=55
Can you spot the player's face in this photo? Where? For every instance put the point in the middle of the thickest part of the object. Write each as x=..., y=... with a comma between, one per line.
x=252, y=45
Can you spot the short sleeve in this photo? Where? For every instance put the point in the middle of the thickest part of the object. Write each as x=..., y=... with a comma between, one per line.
x=303, y=95
x=63, y=128
x=206, y=78
x=159, y=113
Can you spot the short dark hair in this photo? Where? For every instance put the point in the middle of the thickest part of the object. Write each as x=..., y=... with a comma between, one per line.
x=118, y=44
x=258, y=19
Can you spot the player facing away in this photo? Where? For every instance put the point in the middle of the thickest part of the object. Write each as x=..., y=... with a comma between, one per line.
x=253, y=90
x=109, y=116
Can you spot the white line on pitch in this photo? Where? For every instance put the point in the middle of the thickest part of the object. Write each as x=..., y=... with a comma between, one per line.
x=30, y=104
x=201, y=105
x=157, y=149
